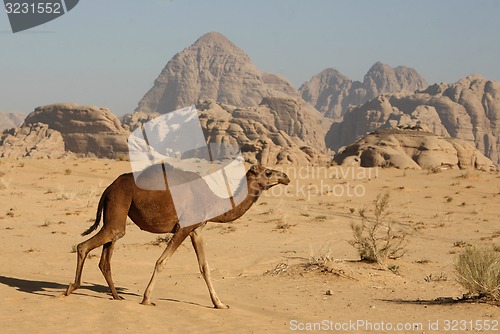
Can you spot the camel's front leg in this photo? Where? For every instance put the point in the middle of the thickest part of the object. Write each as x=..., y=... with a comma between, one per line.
x=197, y=241
x=172, y=246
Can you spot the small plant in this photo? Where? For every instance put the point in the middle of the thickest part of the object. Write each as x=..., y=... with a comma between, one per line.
x=434, y=170
x=74, y=248
x=394, y=269
x=378, y=238
x=319, y=260
x=46, y=223
x=478, y=271
x=162, y=240
x=436, y=278
x=4, y=183
x=460, y=243
x=282, y=226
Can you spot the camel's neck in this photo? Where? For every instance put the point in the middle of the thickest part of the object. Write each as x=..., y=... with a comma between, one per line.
x=254, y=191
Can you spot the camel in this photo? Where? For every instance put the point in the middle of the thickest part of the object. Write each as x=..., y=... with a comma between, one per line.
x=154, y=211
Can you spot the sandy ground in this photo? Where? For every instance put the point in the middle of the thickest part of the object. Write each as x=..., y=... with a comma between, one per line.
x=257, y=262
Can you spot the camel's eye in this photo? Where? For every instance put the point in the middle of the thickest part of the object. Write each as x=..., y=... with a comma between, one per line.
x=268, y=173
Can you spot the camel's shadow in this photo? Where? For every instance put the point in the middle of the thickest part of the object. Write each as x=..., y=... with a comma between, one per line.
x=52, y=289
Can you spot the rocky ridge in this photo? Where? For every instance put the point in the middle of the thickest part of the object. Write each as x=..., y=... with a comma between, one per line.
x=332, y=93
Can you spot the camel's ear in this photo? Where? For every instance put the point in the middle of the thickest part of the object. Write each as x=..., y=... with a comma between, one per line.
x=253, y=169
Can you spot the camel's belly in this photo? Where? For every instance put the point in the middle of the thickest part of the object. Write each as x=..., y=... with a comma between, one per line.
x=153, y=216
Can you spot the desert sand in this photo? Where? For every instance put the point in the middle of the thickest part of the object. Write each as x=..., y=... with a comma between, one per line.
x=258, y=262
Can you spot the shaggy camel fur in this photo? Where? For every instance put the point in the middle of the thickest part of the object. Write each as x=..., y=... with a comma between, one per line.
x=154, y=211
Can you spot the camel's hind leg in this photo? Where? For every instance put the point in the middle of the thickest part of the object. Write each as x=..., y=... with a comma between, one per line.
x=105, y=266
x=197, y=241
x=102, y=237
x=172, y=246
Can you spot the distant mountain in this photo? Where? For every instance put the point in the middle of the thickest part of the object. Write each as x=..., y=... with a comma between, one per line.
x=260, y=112
x=212, y=68
x=10, y=119
x=468, y=109
x=332, y=93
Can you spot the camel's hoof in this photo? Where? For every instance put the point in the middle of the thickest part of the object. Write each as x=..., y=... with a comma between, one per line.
x=118, y=298
x=147, y=303
x=70, y=289
x=221, y=306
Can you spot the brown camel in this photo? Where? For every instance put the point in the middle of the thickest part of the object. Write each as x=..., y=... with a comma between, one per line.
x=154, y=211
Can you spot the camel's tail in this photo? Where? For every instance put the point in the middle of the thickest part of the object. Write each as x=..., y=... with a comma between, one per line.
x=100, y=207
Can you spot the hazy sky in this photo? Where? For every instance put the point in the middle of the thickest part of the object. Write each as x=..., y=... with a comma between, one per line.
x=108, y=52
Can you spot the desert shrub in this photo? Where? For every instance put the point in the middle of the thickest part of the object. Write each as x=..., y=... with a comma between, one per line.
x=319, y=259
x=379, y=237
x=478, y=271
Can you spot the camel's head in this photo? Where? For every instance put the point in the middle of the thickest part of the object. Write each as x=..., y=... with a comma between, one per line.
x=268, y=178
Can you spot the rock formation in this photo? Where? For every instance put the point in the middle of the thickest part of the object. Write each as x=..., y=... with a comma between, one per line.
x=212, y=68
x=35, y=140
x=10, y=119
x=468, y=110
x=412, y=149
x=332, y=93
x=85, y=129
x=278, y=131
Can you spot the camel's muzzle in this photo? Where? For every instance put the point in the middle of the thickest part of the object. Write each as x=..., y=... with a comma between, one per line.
x=284, y=179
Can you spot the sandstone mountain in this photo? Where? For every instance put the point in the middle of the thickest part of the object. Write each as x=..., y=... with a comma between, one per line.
x=85, y=129
x=34, y=141
x=10, y=119
x=468, y=110
x=212, y=68
x=332, y=93
x=412, y=149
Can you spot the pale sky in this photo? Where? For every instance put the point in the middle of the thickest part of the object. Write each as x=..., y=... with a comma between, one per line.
x=109, y=52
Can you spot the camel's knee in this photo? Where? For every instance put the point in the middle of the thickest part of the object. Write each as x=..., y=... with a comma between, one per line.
x=82, y=250
x=204, y=269
x=104, y=266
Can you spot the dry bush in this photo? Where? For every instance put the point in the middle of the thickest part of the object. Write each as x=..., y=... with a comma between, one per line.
x=319, y=260
x=379, y=237
x=478, y=271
